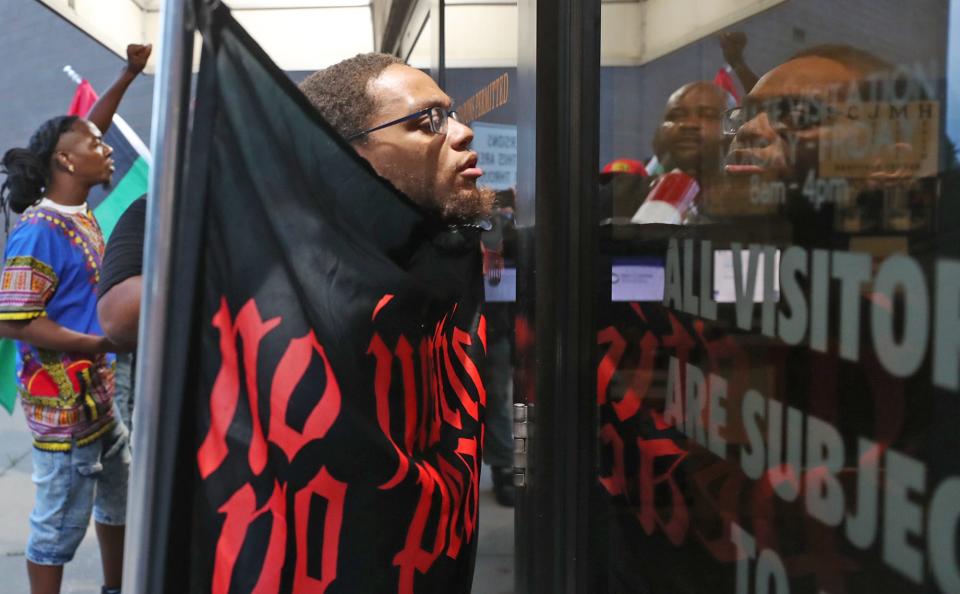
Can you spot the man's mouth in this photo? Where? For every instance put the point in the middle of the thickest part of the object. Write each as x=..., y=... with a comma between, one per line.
x=111, y=165
x=689, y=141
x=742, y=162
x=469, y=168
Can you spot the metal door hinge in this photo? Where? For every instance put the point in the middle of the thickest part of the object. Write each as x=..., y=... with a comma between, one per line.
x=520, y=436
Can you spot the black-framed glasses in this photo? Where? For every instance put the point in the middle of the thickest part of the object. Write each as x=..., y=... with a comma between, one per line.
x=789, y=113
x=437, y=117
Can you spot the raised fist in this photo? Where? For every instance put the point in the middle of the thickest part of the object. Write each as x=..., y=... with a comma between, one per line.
x=137, y=56
x=733, y=44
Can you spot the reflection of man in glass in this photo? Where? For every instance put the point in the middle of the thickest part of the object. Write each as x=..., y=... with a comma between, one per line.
x=803, y=125
x=690, y=137
x=499, y=244
x=787, y=115
x=689, y=147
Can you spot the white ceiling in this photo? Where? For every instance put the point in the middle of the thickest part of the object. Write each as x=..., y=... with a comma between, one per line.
x=272, y=4
x=297, y=34
x=312, y=34
x=483, y=33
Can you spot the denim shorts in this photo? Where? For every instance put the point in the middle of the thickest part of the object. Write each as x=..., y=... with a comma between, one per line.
x=72, y=484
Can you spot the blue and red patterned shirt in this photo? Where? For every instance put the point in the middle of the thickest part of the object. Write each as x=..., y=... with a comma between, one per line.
x=51, y=268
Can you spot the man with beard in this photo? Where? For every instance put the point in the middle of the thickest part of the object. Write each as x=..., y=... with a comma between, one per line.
x=398, y=119
x=403, y=124
x=394, y=116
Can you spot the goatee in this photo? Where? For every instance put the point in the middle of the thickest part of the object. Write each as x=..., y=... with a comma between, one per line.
x=468, y=205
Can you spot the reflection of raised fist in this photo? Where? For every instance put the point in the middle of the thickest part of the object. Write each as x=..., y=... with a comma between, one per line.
x=733, y=43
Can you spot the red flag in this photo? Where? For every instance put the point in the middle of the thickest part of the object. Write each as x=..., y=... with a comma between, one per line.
x=725, y=82
x=668, y=200
x=83, y=99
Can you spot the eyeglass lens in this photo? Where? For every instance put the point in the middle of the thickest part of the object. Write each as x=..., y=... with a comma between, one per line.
x=438, y=119
x=791, y=113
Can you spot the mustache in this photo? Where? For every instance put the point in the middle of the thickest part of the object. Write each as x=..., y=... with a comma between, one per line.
x=747, y=157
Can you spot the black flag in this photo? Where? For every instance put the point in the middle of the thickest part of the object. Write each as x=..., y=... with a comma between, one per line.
x=331, y=353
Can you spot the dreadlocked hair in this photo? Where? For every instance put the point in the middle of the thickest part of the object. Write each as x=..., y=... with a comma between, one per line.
x=28, y=169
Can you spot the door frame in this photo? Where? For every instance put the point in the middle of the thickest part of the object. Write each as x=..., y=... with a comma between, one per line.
x=558, y=73
x=554, y=516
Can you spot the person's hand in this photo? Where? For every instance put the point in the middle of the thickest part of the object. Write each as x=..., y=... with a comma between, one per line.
x=105, y=345
x=733, y=43
x=137, y=56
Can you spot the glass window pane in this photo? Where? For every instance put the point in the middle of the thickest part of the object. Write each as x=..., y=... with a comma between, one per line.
x=481, y=76
x=778, y=370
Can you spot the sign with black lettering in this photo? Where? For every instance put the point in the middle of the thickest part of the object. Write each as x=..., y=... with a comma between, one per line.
x=883, y=139
x=496, y=146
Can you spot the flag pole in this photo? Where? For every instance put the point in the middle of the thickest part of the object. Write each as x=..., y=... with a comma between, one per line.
x=149, y=503
x=72, y=74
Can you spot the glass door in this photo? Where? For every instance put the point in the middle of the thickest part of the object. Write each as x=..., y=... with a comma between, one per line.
x=480, y=60
x=779, y=292
x=518, y=71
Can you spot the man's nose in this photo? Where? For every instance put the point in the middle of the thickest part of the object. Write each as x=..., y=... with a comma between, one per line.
x=460, y=135
x=690, y=122
x=107, y=149
x=757, y=132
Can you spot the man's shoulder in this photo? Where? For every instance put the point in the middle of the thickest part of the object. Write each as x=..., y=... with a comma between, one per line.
x=124, y=254
x=136, y=213
x=131, y=225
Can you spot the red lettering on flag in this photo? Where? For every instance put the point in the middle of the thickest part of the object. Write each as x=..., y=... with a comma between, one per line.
x=610, y=361
x=629, y=405
x=461, y=338
x=616, y=483
x=650, y=451
x=325, y=486
x=290, y=371
x=226, y=388
x=382, y=382
x=413, y=557
x=241, y=511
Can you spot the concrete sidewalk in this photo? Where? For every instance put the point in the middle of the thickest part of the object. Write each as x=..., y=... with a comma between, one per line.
x=494, y=574
x=83, y=575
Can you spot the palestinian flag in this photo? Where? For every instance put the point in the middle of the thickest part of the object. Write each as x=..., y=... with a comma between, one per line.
x=132, y=159
x=322, y=395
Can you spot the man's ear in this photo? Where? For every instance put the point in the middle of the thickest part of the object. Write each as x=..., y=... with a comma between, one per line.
x=362, y=147
x=62, y=161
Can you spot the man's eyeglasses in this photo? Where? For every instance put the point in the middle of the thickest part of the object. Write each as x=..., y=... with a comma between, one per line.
x=783, y=113
x=437, y=117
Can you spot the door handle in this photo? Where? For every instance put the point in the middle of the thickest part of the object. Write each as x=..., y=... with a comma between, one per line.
x=520, y=436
